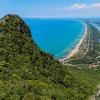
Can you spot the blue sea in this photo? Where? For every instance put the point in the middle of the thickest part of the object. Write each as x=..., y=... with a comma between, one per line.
x=56, y=36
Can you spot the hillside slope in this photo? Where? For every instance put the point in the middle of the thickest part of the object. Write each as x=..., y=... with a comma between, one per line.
x=27, y=73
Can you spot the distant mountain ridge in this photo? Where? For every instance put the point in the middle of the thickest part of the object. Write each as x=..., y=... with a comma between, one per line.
x=27, y=73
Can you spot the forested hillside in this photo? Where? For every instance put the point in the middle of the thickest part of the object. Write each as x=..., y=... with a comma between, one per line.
x=27, y=73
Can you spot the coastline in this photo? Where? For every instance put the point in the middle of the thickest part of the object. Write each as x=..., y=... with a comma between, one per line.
x=76, y=49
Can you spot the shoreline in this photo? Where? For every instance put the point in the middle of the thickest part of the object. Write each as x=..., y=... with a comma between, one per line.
x=76, y=49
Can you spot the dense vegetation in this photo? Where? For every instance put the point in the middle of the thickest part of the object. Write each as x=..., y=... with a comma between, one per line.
x=27, y=73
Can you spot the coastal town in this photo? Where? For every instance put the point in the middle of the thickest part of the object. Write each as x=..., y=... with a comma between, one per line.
x=85, y=45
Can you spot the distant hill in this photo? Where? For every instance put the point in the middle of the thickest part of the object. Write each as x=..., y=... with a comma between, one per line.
x=27, y=73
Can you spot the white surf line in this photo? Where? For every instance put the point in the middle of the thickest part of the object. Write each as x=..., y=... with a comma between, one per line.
x=76, y=49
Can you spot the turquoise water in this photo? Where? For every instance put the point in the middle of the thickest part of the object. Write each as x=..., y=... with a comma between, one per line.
x=56, y=36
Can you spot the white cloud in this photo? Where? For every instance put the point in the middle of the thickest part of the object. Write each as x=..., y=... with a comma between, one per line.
x=78, y=6
x=97, y=5
x=82, y=10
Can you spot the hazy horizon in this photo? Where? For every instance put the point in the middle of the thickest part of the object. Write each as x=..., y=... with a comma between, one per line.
x=51, y=8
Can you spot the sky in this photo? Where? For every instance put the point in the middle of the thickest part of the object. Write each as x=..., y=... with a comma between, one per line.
x=51, y=8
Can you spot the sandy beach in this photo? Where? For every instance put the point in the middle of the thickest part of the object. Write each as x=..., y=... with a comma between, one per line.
x=76, y=49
